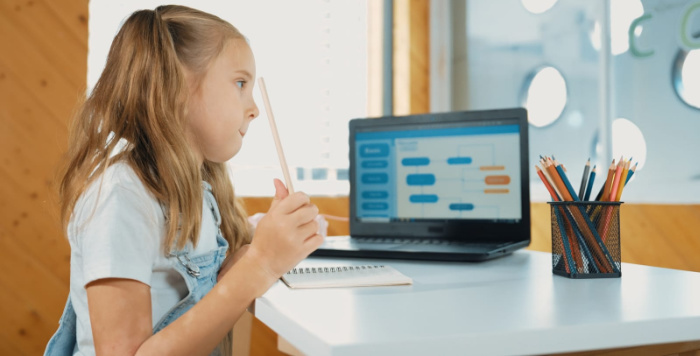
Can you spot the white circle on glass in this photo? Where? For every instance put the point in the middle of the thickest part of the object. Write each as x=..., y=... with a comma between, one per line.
x=545, y=96
x=628, y=142
x=686, y=77
x=538, y=6
x=622, y=13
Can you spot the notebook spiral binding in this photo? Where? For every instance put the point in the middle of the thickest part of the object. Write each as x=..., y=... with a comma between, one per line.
x=330, y=269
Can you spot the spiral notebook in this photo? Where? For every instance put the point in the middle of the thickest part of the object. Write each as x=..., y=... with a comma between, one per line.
x=344, y=276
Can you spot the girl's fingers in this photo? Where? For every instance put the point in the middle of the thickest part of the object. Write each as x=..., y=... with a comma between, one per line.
x=281, y=192
x=308, y=229
x=314, y=241
x=305, y=214
x=292, y=203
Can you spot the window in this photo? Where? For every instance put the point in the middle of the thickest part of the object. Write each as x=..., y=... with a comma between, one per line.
x=313, y=55
x=636, y=95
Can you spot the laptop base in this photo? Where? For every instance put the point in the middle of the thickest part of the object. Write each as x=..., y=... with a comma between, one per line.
x=344, y=246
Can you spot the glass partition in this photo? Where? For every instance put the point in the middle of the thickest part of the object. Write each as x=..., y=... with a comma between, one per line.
x=636, y=98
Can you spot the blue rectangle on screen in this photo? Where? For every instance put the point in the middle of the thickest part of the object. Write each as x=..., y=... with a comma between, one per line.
x=374, y=150
x=423, y=198
x=375, y=178
x=375, y=206
x=374, y=164
x=420, y=179
x=375, y=194
x=459, y=160
x=461, y=206
x=415, y=161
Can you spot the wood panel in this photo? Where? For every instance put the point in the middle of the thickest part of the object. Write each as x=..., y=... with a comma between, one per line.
x=650, y=234
x=679, y=349
x=411, y=57
x=334, y=206
x=263, y=340
x=43, y=71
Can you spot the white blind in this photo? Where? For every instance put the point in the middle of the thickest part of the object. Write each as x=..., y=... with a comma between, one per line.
x=313, y=55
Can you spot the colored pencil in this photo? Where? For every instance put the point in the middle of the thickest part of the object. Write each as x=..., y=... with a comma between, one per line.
x=589, y=188
x=566, y=249
x=566, y=242
x=565, y=196
x=551, y=183
x=556, y=178
x=566, y=182
x=623, y=178
x=607, y=182
x=631, y=172
x=562, y=165
x=584, y=179
x=551, y=191
x=604, y=223
x=616, y=181
x=276, y=136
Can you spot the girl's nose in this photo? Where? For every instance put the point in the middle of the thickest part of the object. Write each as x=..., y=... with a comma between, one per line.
x=255, y=112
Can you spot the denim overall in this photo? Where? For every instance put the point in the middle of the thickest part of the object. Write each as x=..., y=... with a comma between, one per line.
x=199, y=273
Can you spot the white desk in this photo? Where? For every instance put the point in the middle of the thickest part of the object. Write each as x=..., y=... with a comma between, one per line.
x=508, y=306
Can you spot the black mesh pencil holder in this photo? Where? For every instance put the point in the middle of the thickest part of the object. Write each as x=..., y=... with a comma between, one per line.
x=586, y=239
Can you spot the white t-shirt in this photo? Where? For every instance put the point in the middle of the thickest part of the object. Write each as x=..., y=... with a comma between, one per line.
x=116, y=231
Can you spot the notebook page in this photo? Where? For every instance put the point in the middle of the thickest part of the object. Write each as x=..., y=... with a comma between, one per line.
x=346, y=276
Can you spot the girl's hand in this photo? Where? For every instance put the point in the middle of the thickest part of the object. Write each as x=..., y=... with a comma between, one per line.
x=231, y=260
x=287, y=234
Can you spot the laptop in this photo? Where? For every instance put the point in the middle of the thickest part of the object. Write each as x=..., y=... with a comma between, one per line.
x=442, y=187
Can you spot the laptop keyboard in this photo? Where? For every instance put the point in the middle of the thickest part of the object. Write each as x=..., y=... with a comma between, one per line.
x=401, y=241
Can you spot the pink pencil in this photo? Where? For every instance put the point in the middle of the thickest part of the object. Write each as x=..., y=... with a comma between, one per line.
x=613, y=197
x=616, y=182
x=276, y=136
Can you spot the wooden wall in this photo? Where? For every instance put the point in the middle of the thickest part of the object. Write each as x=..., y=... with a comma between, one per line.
x=651, y=234
x=411, y=60
x=43, y=70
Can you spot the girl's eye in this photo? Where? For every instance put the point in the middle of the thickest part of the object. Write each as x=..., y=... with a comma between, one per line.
x=240, y=83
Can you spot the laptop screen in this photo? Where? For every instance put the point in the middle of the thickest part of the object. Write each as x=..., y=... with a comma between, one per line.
x=461, y=167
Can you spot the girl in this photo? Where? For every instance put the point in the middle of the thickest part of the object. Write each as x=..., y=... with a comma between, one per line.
x=147, y=203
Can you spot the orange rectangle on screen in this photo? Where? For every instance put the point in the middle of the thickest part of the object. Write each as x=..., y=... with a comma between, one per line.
x=497, y=180
x=492, y=168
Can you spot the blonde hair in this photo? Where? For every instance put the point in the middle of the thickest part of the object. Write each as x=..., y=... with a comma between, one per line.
x=142, y=97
